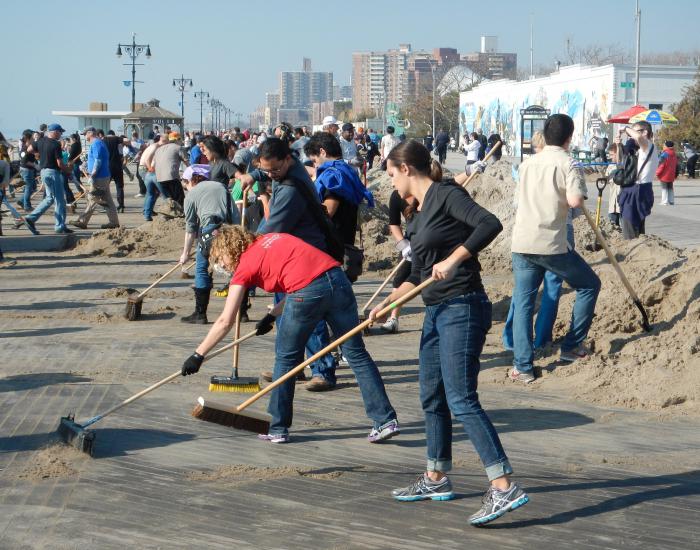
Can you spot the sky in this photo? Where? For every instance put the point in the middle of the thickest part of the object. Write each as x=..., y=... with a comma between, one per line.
x=61, y=55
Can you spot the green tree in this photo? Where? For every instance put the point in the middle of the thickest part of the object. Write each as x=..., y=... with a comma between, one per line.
x=687, y=111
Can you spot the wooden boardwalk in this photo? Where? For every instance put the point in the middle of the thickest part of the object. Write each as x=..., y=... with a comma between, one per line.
x=598, y=478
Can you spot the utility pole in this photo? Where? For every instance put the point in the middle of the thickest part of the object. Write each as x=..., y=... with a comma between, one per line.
x=181, y=84
x=636, y=63
x=133, y=50
x=202, y=95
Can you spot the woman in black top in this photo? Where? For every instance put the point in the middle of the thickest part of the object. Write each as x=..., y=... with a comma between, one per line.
x=448, y=233
x=221, y=169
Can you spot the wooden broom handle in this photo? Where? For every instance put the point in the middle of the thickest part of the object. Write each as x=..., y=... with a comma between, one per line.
x=142, y=294
x=330, y=347
x=495, y=147
x=165, y=380
x=386, y=282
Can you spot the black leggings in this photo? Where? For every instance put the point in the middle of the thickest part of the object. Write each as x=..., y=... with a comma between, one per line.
x=118, y=177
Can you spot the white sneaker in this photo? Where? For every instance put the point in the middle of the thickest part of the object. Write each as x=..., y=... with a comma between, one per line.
x=138, y=196
x=391, y=326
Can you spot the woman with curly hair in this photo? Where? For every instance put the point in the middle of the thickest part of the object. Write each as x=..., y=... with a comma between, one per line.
x=317, y=289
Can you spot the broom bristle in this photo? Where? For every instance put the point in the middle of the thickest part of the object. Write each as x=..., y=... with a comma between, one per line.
x=77, y=436
x=228, y=416
x=133, y=308
x=230, y=384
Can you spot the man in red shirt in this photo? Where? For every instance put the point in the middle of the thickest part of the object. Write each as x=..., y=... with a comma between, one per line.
x=316, y=289
x=666, y=172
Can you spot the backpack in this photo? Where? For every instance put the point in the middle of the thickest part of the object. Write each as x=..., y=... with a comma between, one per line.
x=628, y=174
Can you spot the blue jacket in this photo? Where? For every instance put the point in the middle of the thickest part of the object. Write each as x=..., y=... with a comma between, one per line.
x=99, y=154
x=339, y=178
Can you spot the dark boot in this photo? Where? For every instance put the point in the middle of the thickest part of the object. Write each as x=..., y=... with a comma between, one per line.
x=201, y=301
x=245, y=306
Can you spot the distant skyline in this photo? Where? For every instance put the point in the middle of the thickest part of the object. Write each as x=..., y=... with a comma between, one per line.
x=61, y=56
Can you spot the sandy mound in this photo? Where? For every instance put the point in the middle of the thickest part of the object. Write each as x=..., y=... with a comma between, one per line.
x=246, y=473
x=55, y=461
x=161, y=236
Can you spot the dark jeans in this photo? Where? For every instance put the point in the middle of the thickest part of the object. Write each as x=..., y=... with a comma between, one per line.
x=454, y=332
x=202, y=277
x=70, y=198
x=327, y=298
x=29, y=177
x=442, y=154
x=690, y=165
x=173, y=190
x=118, y=177
x=140, y=172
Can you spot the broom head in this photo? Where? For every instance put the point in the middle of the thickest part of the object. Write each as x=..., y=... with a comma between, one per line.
x=75, y=435
x=133, y=306
x=239, y=384
x=227, y=415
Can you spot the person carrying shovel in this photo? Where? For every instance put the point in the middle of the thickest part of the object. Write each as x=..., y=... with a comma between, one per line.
x=316, y=289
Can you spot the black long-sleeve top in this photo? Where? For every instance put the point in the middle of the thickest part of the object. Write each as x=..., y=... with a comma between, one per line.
x=450, y=218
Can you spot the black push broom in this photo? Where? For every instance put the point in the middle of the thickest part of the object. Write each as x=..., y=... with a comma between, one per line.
x=234, y=417
x=83, y=439
x=134, y=302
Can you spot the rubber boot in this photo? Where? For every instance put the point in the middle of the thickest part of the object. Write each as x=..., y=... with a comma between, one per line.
x=245, y=306
x=201, y=301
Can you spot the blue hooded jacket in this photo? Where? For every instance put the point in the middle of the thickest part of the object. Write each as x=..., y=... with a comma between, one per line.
x=339, y=178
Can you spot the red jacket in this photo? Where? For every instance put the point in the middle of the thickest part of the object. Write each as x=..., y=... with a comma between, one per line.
x=666, y=172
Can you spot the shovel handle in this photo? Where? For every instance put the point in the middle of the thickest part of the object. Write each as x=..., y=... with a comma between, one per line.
x=495, y=147
x=157, y=281
x=381, y=287
x=330, y=347
x=164, y=381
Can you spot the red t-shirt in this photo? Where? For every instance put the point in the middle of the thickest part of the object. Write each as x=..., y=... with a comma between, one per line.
x=279, y=262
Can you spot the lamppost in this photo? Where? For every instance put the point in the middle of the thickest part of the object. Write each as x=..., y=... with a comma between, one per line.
x=238, y=118
x=202, y=95
x=432, y=71
x=181, y=84
x=133, y=50
x=214, y=104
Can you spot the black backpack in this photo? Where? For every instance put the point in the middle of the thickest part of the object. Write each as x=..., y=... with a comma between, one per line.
x=628, y=174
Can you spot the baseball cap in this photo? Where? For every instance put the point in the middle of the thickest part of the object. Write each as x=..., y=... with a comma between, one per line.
x=347, y=127
x=330, y=119
x=89, y=129
x=195, y=170
x=55, y=128
x=174, y=136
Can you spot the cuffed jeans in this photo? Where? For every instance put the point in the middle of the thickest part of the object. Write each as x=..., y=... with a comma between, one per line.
x=454, y=332
x=549, y=306
x=152, y=193
x=327, y=298
x=528, y=273
x=202, y=277
x=29, y=178
x=53, y=184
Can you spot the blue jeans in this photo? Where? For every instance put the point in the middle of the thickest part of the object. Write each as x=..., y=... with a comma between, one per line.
x=53, y=184
x=547, y=314
x=528, y=272
x=319, y=339
x=152, y=192
x=29, y=178
x=202, y=277
x=454, y=332
x=327, y=298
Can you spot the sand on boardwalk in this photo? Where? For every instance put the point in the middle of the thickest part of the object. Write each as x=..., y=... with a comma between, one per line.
x=629, y=368
x=247, y=473
x=55, y=461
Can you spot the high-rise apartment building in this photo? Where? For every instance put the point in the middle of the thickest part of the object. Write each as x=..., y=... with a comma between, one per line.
x=299, y=89
x=272, y=104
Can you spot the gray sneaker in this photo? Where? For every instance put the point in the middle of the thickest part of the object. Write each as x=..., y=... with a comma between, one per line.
x=423, y=489
x=384, y=432
x=495, y=503
x=525, y=377
x=579, y=352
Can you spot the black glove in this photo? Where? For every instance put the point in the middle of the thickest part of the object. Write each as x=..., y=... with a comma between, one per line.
x=264, y=325
x=192, y=364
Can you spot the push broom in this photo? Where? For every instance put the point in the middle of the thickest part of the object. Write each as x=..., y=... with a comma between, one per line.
x=233, y=416
x=83, y=439
x=635, y=299
x=134, y=302
x=235, y=383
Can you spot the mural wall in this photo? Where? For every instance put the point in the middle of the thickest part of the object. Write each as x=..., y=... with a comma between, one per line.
x=495, y=107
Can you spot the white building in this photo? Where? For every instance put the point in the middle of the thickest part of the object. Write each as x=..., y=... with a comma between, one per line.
x=589, y=95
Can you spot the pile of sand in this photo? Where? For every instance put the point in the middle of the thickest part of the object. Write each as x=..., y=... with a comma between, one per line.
x=161, y=236
x=630, y=368
x=54, y=461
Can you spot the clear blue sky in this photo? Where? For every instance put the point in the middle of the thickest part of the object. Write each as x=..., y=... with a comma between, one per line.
x=61, y=55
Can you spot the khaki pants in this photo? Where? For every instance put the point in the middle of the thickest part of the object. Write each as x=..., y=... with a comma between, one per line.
x=100, y=185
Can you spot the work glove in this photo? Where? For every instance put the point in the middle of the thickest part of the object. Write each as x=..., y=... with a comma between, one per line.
x=264, y=325
x=480, y=165
x=406, y=253
x=192, y=364
x=402, y=244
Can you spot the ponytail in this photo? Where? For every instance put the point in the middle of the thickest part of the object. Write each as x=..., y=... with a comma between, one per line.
x=435, y=171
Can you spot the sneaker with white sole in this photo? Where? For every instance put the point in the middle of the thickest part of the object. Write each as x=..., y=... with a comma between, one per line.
x=274, y=438
x=384, y=432
x=391, y=326
x=579, y=352
x=517, y=376
x=424, y=488
x=495, y=503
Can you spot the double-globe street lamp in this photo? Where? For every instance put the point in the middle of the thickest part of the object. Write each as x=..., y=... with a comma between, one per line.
x=133, y=50
x=181, y=84
x=203, y=96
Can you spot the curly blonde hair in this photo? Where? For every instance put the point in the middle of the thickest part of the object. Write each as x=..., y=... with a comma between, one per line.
x=231, y=242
